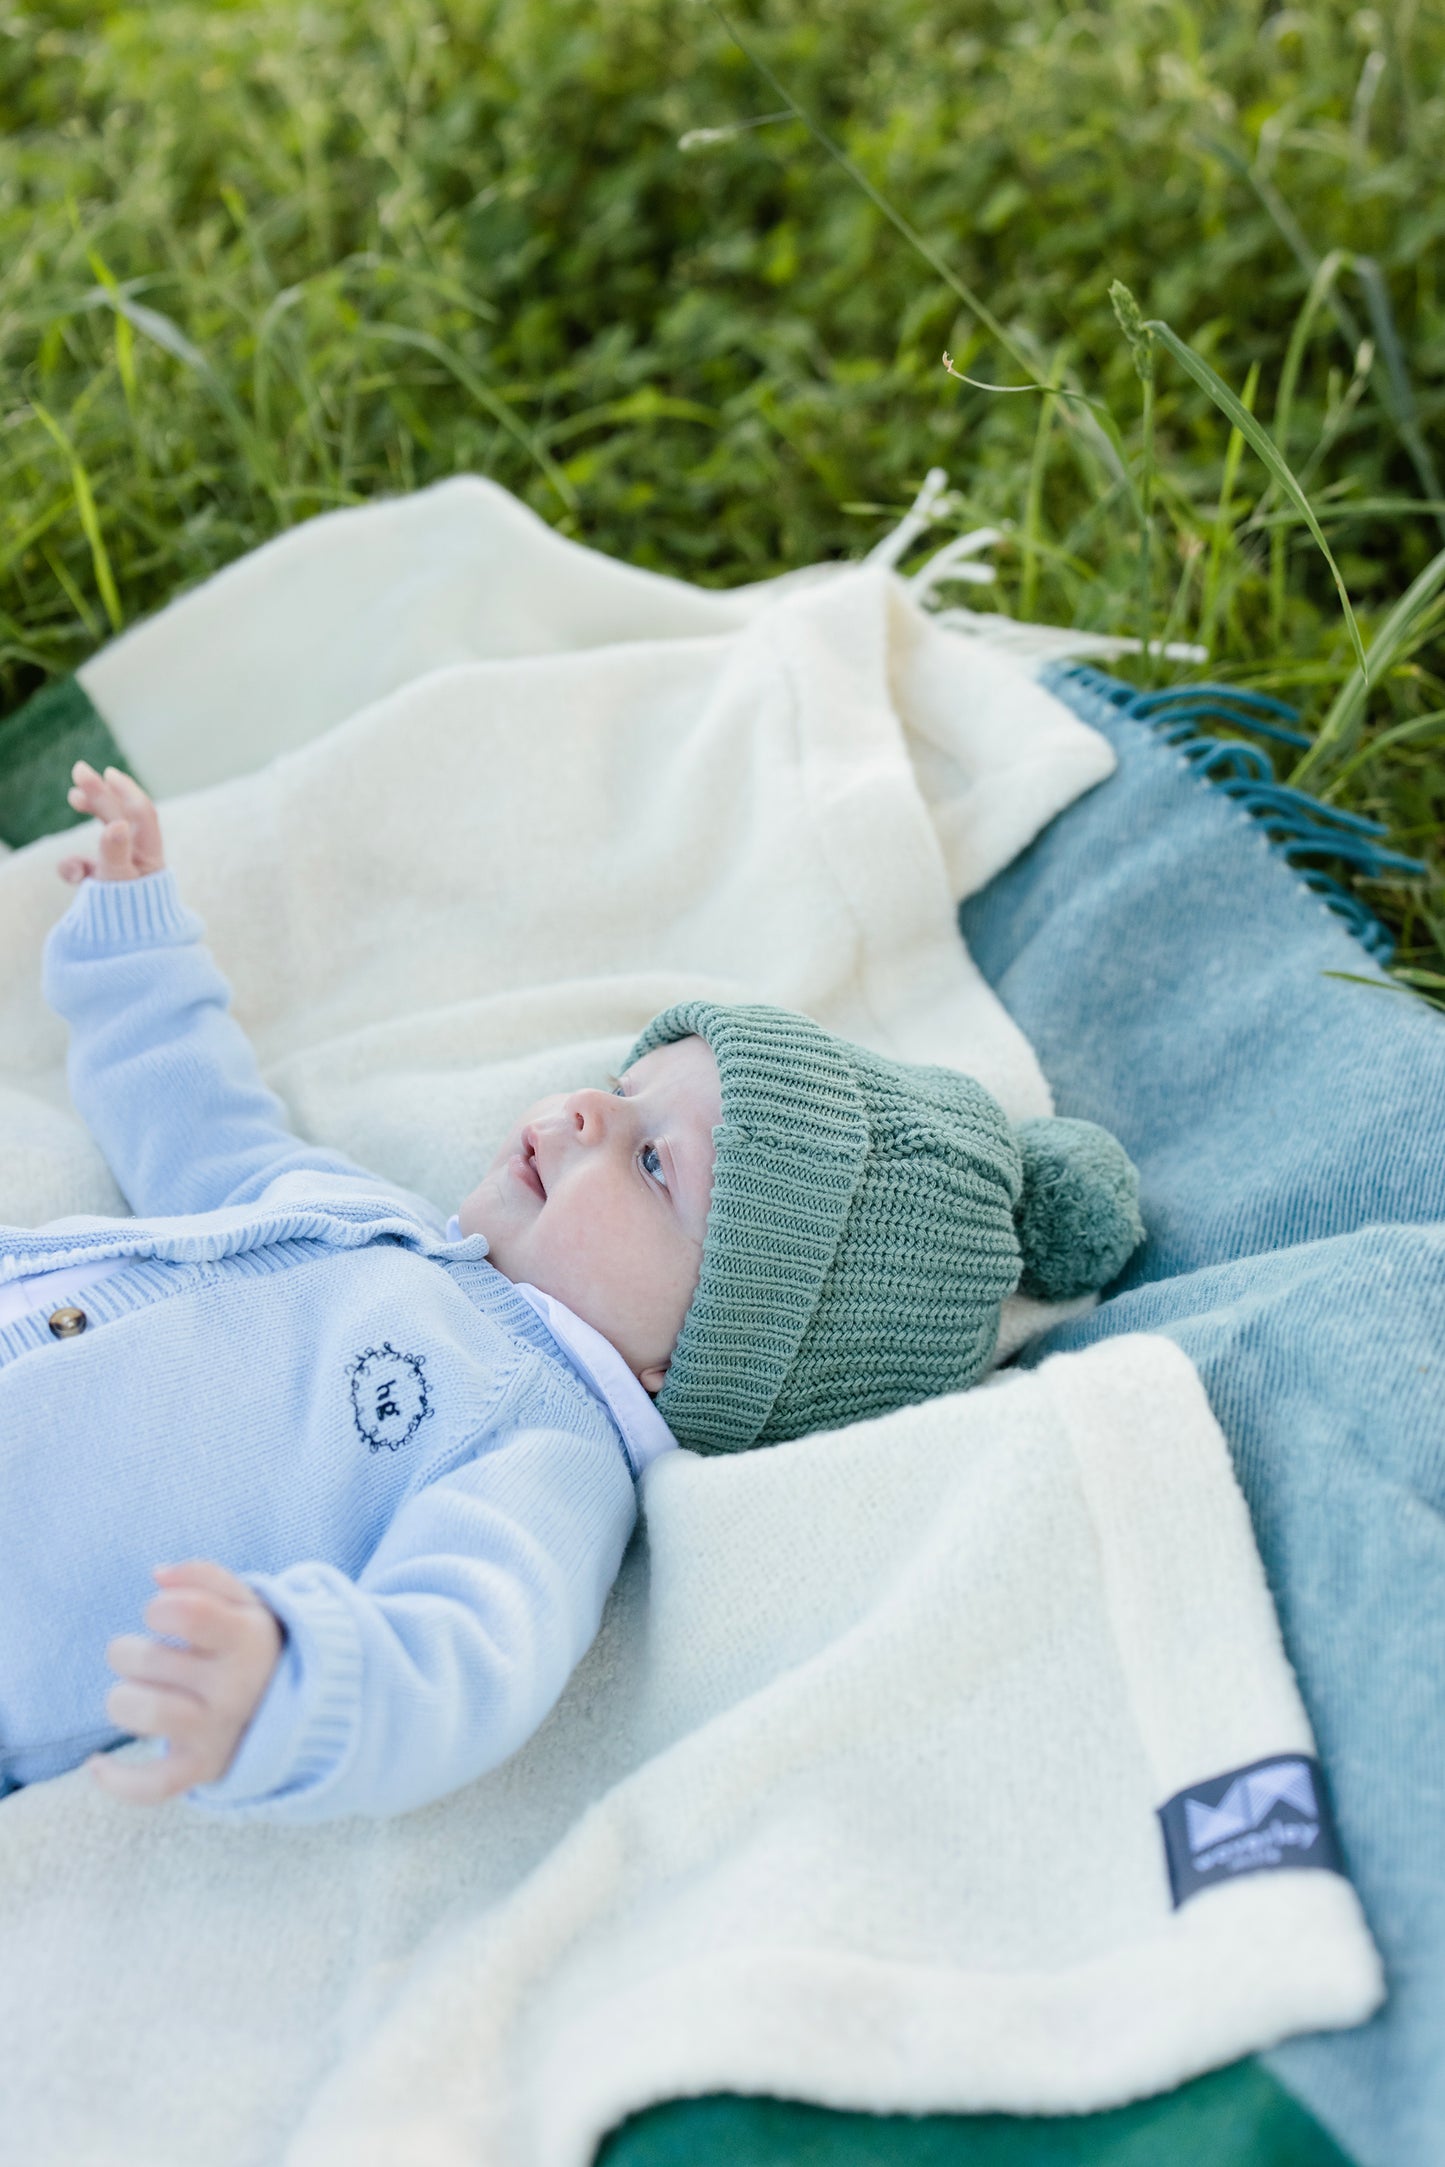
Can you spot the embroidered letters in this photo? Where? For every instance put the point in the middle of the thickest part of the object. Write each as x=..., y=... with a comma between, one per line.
x=388, y=1396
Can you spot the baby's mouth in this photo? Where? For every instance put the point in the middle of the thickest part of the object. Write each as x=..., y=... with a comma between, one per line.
x=525, y=1163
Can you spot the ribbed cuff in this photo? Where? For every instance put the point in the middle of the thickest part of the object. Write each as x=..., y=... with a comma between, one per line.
x=120, y=914
x=308, y=1715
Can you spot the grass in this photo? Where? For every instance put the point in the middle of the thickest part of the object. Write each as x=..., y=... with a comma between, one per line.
x=260, y=260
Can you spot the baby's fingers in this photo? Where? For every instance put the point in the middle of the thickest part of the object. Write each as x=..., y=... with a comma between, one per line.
x=156, y=1711
x=154, y=1662
x=87, y=791
x=202, y=1620
x=141, y=1782
x=117, y=851
x=204, y=1573
x=144, y=819
x=112, y=798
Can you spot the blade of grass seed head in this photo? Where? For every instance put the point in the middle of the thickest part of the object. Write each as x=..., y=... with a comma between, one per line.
x=1223, y=524
x=497, y=407
x=1403, y=733
x=1210, y=381
x=1340, y=728
x=89, y=520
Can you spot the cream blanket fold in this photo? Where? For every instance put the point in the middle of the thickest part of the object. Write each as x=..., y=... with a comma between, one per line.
x=855, y=1797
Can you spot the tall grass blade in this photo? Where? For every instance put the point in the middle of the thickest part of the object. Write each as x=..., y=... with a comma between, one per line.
x=1219, y=534
x=89, y=517
x=1263, y=444
x=1033, y=507
x=165, y=333
x=1399, y=394
x=1340, y=728
x=1320, y=287
x=1401, y=400
x=1404, y=733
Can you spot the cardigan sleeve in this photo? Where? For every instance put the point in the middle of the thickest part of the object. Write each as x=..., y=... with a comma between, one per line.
x=449, y=1649
x=160, y=1071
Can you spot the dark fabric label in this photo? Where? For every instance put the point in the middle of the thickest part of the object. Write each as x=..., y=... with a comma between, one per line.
x=1268, y=1818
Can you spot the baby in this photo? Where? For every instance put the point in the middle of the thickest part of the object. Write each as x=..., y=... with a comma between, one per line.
x=407, y=1453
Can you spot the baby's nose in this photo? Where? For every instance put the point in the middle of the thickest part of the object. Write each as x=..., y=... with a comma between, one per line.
x=591, y=1112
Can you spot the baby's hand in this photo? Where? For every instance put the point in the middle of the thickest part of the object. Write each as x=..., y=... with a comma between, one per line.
x=198, y=1698
x=130, y=834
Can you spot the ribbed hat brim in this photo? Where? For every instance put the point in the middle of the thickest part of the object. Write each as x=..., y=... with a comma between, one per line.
x=789, y=1156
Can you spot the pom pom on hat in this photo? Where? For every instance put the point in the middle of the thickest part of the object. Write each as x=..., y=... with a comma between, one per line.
x=1078, y=1218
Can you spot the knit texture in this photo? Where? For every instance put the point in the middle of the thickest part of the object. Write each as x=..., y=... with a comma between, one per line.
x=861, y=1237
x=1078, y=1217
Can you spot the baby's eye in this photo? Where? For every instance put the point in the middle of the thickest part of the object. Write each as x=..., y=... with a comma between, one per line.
x=649, y=1151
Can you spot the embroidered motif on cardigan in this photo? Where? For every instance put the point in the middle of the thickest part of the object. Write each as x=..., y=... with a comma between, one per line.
x=389, y=1398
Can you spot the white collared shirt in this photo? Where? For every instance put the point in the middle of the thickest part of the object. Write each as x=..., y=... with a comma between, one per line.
x=644, y=1433
x=42, y=1290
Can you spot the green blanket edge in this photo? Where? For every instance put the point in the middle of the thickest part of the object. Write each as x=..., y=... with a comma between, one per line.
x=39, y=744
x=1237, y=2117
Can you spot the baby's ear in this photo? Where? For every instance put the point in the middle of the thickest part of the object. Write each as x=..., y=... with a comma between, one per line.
x=651, y=1378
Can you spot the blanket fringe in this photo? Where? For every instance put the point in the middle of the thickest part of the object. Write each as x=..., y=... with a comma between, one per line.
x=953, y=564
x=1307, y=834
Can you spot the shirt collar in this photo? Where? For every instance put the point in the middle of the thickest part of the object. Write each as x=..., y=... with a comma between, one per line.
x=644, y=1433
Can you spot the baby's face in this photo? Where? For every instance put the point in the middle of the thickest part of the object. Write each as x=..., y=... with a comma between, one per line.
x=600, y=1198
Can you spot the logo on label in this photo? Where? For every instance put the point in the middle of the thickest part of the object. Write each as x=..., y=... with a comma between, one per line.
x=388, y=1396
x=1269, y=1816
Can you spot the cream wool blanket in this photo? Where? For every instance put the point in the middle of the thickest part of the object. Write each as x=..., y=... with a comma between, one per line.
x=854, y=1799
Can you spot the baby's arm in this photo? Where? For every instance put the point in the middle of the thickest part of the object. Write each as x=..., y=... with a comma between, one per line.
x=161, y=1073
x=455, y=1642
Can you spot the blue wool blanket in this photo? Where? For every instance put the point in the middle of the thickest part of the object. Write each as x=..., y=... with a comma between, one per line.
x=1174, y=976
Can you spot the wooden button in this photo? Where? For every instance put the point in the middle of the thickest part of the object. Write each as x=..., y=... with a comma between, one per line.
x=65, y=1323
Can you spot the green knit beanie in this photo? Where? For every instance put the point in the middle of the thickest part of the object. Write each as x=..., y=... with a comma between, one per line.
x=868, y=1219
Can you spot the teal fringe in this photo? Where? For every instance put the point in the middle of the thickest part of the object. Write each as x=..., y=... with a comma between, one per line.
x=1308, y=835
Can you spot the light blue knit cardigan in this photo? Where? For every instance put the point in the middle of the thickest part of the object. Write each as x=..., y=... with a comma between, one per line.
x=299, y=1377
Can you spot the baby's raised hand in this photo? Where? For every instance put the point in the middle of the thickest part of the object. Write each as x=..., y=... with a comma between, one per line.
x=199, y=1698
x=130, y=831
